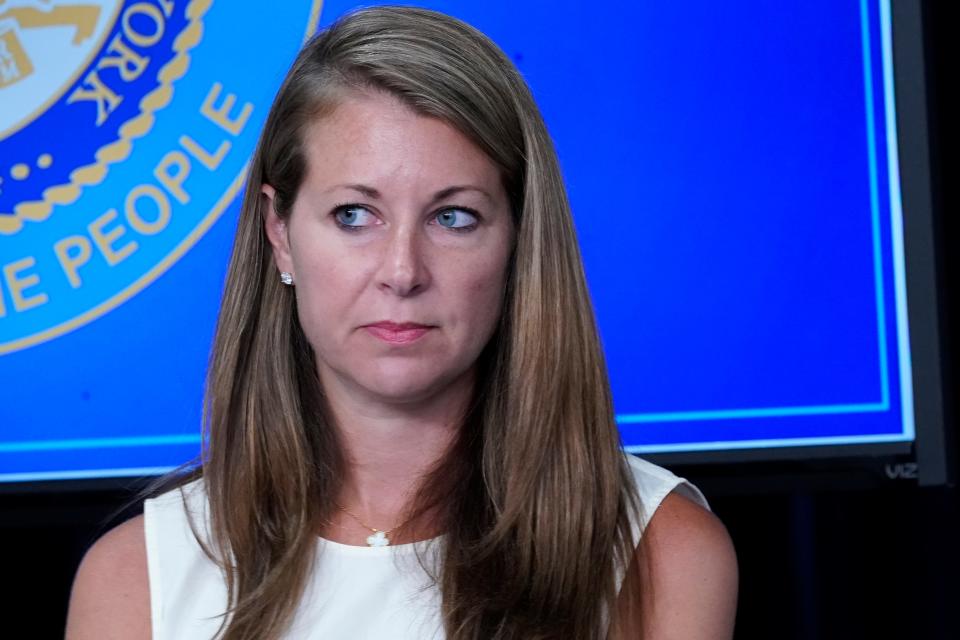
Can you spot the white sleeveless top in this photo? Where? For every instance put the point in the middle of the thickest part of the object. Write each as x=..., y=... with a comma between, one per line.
x=355, y=592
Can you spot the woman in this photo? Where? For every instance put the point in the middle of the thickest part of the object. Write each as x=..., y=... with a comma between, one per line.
x=409, y=426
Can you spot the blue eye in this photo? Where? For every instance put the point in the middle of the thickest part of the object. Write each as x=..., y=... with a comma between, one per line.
x=457, y=219
x=352, y=216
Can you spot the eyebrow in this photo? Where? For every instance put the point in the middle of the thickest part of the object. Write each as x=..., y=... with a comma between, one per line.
x=443, y=194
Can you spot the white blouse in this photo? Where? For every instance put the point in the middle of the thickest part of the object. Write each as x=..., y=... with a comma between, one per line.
x=354, y=593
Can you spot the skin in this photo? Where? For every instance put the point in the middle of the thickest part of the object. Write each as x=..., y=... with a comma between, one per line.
x=397, y=406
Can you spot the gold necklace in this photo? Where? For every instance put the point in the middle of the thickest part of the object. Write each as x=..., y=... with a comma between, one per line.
x=378, y=538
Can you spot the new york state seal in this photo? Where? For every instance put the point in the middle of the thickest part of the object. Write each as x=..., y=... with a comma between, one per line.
x=125, y=130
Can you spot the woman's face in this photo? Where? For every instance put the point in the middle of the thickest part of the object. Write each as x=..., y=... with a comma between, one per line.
x=398, y=243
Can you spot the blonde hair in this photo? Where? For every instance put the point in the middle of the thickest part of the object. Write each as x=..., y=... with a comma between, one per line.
x=535, y=494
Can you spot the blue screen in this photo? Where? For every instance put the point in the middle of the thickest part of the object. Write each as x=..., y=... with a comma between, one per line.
x=732, y=169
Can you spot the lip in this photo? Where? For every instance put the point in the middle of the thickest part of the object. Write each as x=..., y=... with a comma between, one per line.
x=397, y=332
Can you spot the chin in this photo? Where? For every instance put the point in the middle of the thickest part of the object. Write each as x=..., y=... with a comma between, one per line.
x=403, y=384
x=406, y=389
x=403, y=395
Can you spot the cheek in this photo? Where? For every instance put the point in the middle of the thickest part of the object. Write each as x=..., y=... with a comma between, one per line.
x=482, y=299
x=325, y=287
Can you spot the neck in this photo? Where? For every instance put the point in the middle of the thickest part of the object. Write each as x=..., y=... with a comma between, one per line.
x=389, y=448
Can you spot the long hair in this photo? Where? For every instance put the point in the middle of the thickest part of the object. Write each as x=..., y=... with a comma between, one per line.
x=536, y=496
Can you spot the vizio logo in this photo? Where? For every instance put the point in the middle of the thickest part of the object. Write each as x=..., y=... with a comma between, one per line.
x=901, y=471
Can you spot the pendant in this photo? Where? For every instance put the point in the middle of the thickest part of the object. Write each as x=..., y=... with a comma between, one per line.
x=378, y=539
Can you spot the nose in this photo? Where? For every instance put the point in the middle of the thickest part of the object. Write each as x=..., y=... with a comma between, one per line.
x=403, y=270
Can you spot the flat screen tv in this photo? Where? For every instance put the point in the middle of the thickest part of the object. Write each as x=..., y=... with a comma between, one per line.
x=749, y=182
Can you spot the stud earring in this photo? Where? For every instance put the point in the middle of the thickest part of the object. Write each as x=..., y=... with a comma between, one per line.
x=286, y=278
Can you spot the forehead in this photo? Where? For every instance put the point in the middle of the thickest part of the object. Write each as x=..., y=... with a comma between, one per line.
x=372, y=135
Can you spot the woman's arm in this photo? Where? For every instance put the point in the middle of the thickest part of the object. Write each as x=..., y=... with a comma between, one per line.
x=111, y=594
x=688, y=577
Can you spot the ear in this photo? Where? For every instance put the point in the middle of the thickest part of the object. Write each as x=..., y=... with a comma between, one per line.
x=276, y=229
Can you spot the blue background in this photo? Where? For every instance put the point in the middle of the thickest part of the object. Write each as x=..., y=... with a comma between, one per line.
x=718, y=157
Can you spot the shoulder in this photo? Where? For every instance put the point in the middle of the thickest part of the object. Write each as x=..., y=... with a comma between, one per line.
x=689, y=574
x=111, y=594
x=654, y=484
